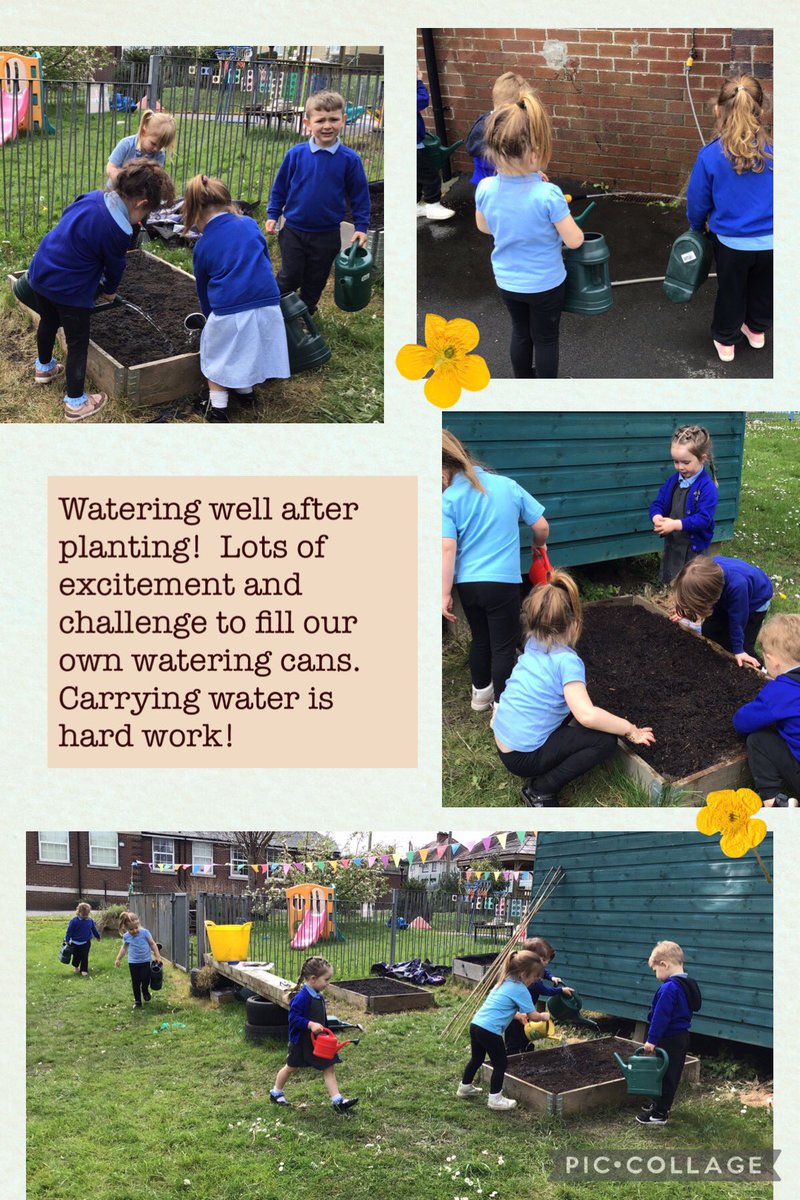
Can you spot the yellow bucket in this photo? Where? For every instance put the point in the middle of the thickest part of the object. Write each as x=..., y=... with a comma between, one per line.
x=534, y=1030
x=229, y=942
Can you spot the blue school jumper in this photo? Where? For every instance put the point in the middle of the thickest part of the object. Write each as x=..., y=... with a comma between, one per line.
x=701, y=505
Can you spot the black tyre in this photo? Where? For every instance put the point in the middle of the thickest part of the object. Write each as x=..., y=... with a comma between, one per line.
x=257, y=1033
x=265, y=1012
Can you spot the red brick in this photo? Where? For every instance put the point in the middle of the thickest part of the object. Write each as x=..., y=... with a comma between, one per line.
x=681, y=40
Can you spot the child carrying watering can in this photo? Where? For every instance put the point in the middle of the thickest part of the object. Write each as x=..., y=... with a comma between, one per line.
x=307, y=1021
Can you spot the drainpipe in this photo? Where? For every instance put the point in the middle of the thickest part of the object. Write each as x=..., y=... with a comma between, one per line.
x=432, y=67
x=80, y=877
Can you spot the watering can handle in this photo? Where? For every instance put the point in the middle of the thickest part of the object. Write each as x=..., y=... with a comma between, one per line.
x=579, y=220
x=662, y=1053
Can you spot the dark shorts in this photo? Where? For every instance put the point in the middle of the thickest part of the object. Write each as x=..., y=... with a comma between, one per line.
x=301, y=1055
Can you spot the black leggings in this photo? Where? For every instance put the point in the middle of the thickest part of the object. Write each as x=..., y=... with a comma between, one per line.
x=570, y=751
x=676, y=1047
x=492, y=611
x=80, y=955
x=482, y=1042
x=716, y=628
x=773, y=766
x=140, y=980
x=75, y=323
x=535, y=318
x=744, y=293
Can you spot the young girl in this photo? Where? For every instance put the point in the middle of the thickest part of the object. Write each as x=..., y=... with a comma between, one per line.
x=683, y=511
x=80, y=932
x=529, y=220
x=509, y=1001
x=547, y=687
x=154, y=137
x=730, y=191
x=307, y=1015
x=547, y=985
x=84, y=253
x=139, y=944
x=481, y=513
x=730, y=597
x=507, y=89
x=244, y=338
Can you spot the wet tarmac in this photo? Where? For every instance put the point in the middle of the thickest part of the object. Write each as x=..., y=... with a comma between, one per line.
x=643, y=336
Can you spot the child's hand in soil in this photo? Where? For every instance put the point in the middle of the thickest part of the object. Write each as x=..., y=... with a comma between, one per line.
x=641, y=737
x=747, y=660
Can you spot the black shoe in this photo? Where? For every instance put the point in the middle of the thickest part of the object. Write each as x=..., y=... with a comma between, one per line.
x=137, y=1004
x=244, y=397
x=535, y=799
x=784, y=801
x=279, y=1100
x=146, y=997
x=652, y=1118
x=342, y=1105
x=217, y=416
x=646, y=1109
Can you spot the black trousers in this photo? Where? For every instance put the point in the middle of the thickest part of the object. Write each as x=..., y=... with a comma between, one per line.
x=492, y=611
x=75, y=323
x=140, y=980
x=429, y=181
x=80, y=955
x=773, y=766
x=306, y=261
x=716, y=628
x=482, y=1042
x=676, y=1047
x=744, y=293
x=570, y=751
x=535, y=318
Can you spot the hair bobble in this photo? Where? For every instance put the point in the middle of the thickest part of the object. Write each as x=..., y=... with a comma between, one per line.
x=204, y=180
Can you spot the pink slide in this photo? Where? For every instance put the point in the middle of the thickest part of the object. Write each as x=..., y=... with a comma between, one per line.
x=309, y=931
x=12, y=112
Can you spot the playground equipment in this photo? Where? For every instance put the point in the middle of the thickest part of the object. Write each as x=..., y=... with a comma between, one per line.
x=688, y=265
x=311, y=909
x=352, y=280
x=644, y=1072
x=13, y=110
x=326, y=1046
x=21, y=75
x=229, y=943
x=588, y=289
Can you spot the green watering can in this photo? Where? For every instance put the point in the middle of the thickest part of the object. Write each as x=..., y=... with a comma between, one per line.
x=352, y=287
x=688, y=266
x=568, y=1008
x=307, y=347
x=588, y=289
x=24, y=292
x=438, y=153
x=644, y=1072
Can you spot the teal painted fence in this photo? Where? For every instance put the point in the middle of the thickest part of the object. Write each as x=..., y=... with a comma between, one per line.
x=597, y=473
x=623, y=892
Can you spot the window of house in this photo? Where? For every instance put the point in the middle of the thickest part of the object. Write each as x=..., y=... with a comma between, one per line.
x=239, y=863
x=163, y=854
x=54, y=847
x=103, y=850
x=202, y=858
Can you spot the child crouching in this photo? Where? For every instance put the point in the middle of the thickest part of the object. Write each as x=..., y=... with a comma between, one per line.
x=771, y=722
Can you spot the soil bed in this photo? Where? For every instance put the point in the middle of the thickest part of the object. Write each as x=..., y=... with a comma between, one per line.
x=481, y=960
x=566, y=1067
x=165, y=296
x=377, y=987
x=642, y=667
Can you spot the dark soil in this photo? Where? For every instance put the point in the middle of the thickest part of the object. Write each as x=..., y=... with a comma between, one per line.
x=165, y=296
x=566, y=1067
x=642, y=667
x=482, y=959
x=375, y=206
x=376, y=987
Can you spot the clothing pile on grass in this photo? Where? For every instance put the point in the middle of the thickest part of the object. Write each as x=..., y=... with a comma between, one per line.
x=416, y=970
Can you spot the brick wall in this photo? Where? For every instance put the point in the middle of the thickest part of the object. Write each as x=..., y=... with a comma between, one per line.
x=617, y=97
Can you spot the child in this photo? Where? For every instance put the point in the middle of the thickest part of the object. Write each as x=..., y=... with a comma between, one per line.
x=729, y=597
x=508, y=1001
x=138, y=943
x=315, y=181
x=307, y=1015
x=507, y=89
x=154, y=137
x=244, y=339
x=481, y=513
x=547, y=686
x=429, y=181
x=86, y=251
x=529, y=220
x=683, y=511
x=670, y=1018
x=80, y=932
x=548, y=985
x=730, y=191
x=772, y=721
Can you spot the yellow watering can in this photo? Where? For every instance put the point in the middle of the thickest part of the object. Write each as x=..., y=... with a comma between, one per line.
x=545, y=1027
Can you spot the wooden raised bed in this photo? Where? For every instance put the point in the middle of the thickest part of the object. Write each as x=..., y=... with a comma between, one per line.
x=581, y=1098
x=375, y=996
x=155, y=382
x=471, y=968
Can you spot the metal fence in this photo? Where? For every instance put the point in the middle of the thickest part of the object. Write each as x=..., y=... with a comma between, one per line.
x=234, y=121
x=166, y=915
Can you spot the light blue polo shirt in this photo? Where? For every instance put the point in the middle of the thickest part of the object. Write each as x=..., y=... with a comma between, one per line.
x=532, y=705
x=138, y=946
x=503, y=1002
x=486, y=526
x=521, y=211
x=126, y=151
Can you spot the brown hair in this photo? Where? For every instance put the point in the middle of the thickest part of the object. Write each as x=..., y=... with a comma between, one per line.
x=83, y=909
x=741, y=133
x=666, y=952
x=157, y=124
x=202, y=192
x=324, y=102
x=519, y=130
x=522, y=962
x=781, y=635
x=697, y=440
x=508, y=88
x=539, y=946
x=313, y=966
x=457, y=458
x=144, y=181
x=553, y=613
x=127, y=920
x=697, y=588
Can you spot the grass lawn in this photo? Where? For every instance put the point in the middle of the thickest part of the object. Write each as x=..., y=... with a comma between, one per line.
x=118, y=1107
x=766, y=534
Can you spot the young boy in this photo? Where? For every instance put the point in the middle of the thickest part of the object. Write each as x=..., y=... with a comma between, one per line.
x=772, y=721
x=429, y=181
x=313, y=184
x=507, y=89
x=730, y=597
x=670, y=1019
x=549, y=985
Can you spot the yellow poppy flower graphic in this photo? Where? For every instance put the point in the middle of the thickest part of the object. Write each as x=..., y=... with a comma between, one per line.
x=447, y=352
x=732, y=815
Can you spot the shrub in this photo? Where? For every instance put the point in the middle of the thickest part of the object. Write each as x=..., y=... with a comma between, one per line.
x=108, y=918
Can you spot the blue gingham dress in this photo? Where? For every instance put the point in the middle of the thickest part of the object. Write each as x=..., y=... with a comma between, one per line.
x=241, y=349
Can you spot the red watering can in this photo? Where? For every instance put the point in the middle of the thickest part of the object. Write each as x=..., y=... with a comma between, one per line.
x=326, y=1046
x=541, y=568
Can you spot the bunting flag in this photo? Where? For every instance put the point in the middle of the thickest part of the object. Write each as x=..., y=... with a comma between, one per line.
x=440, y=849
x=521, y=837
x=502, y=839
x=423, y=853
x=385, y=860
x=455, y=847
x=333, y=864
x=396, y=859
x=410, y=856
x=487, y=841
x=344, y=863
x=470, y=846
x=320, y=865
x=371, y=860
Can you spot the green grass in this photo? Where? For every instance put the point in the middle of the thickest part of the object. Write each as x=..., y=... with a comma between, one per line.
x=766, y=534
x=117, y=1109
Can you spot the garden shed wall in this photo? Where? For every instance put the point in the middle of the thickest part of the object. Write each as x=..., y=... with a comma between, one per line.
x=596, y=476
x=623, y=892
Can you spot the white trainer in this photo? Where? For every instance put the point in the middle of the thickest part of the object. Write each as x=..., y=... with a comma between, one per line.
x=482, y=698
x=422, y=208
x=465, y=1090
x=500, y=1103
x=438, y=212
